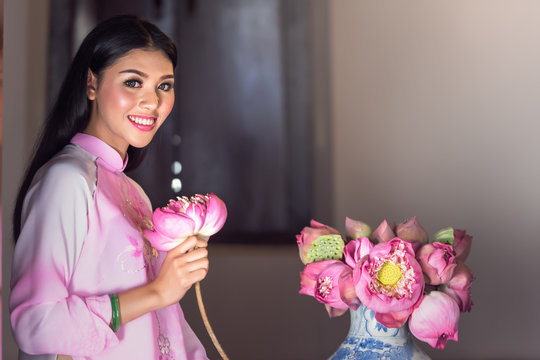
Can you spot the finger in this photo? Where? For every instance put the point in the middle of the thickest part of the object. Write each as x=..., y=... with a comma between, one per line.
x=188, y=280
x=199, y=275
x=201, y=243
x=185, y=246
x=194, y=255
x=197, y=265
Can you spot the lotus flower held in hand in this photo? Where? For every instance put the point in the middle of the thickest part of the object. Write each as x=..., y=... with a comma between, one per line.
x=202, y=215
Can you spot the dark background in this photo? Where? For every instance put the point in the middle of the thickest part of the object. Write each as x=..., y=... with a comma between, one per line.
x=242, y=122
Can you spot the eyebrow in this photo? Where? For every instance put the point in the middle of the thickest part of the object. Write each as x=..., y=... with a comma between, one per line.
x=144, y=75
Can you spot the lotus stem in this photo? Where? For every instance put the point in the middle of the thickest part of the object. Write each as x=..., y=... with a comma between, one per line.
x=207, y=323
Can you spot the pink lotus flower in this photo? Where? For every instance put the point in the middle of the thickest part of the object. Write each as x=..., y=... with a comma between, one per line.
x=202, y=215
x=459, y=286
x=331, y=283
x=435, y=321
x=390, y=279
x=355, y=229
x=383, y=233
x=462, y=244
x=412, y=231
x=395, y=319
x=356, y=250
x=438, y=262
x=319, y=242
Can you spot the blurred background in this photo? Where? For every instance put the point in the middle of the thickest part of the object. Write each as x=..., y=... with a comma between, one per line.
x=297, y=109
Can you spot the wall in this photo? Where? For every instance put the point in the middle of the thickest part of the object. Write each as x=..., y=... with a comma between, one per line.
x=25, y=44
x=435, y=109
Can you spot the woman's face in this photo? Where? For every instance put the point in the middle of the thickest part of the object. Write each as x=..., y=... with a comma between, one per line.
x=131, y=99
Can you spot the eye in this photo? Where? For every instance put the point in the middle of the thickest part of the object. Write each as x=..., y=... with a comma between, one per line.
x=132, y=83
x=166, y=86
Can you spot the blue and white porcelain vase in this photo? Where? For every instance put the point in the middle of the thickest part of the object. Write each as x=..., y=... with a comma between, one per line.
x=368, y=339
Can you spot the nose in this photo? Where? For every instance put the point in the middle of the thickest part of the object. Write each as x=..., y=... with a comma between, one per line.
x=149, y=100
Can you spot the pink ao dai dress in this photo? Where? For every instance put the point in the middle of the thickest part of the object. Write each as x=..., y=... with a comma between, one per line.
x=81, y=240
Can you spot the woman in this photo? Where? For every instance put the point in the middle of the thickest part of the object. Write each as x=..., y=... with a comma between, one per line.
x=85, y=283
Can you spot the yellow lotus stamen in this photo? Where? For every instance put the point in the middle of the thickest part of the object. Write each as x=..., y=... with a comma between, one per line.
x=389, y=273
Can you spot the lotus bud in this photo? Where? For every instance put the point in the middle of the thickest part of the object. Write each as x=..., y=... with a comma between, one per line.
x=462, y=244
x=356, y=229
x=459, y=286
x=435, y=321
x=412, y=231
x=383, y=233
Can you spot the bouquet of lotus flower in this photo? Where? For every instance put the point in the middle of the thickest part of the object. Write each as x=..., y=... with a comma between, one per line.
x=396, y=271
x=200, y=215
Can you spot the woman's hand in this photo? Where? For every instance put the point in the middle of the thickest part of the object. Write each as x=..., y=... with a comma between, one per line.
x=183, y=266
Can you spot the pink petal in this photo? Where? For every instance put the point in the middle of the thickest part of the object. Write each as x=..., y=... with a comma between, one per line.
x=317, y=225
x=335, y=272
x=394, y=319
x=347, y=292
x=462, y=244
x=216, y=214
x=334, y=312
x=307, y=284
x=160, y=241
x=411, y=230
x=437, y=261
x=458, y=287
x=196, y=213
x=383, y=233
x=172, y=225
x=435, y=321
x=308, y=277
x=355, y=229
x=355, y=250
x=330, y=282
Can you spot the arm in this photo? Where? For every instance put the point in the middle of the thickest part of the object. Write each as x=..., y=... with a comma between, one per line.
x=181, y=268
x=45, y=317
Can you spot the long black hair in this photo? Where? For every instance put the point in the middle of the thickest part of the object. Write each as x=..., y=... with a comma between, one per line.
x=107, y=42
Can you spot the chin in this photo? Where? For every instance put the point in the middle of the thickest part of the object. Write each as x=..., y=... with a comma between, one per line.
x=141, y=143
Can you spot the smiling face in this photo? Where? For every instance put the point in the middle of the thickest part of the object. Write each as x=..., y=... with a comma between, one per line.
x=131, y=99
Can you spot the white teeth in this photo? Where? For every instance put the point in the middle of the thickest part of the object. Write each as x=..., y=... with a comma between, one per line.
x=141, y=120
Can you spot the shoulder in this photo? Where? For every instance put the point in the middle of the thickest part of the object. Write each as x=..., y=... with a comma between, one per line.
x=71, y=167
x=69, y=177
x=61, y=189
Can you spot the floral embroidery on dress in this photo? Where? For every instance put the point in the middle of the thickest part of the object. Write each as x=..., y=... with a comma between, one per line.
x=149, y=251
x=132, y=259
x=164, y=344
x=133, y=206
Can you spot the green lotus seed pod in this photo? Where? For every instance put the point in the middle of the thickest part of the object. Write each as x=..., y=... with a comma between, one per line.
x=445, y=236
x=326, y=247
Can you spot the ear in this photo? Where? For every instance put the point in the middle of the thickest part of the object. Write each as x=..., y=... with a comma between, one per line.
x=91, y=85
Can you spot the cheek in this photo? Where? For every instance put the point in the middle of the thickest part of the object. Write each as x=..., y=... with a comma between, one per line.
x=167, y=105
x=123, y=100
x=117, y=99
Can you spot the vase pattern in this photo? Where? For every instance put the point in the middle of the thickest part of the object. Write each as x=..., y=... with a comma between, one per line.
x=368, y=339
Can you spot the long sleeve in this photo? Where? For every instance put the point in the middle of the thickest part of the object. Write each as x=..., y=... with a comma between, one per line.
x=45, y=317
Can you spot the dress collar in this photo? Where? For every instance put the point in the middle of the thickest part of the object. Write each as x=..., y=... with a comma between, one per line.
x=97, y=147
